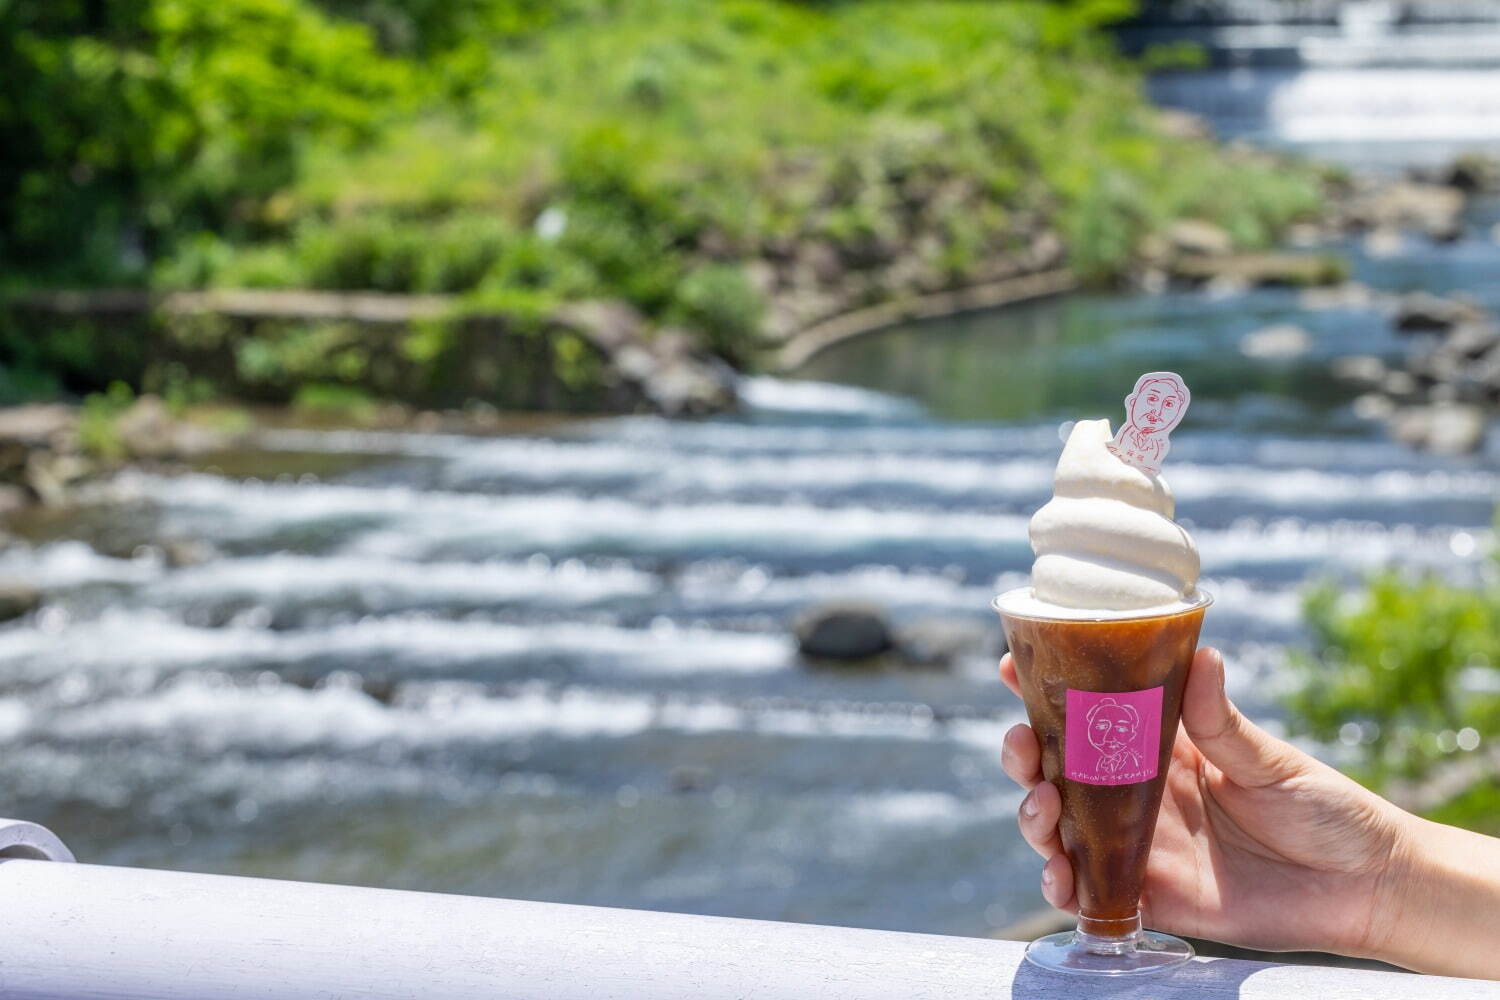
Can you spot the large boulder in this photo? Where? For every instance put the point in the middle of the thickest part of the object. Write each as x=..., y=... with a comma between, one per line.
x=843, y=631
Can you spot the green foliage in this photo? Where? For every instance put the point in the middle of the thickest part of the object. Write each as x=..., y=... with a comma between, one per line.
x=1407, y=673
x=718, y=300
x=329, y=398
x=129, y=127
x=98, y=430
x=523, y=153
x=180, y=390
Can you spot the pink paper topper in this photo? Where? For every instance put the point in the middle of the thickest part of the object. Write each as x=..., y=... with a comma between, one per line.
x=1152, y=410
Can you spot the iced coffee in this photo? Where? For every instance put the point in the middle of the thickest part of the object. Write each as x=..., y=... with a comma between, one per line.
x=1102, y=641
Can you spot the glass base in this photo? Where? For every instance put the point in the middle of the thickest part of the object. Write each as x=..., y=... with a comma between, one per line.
x=1078, y=953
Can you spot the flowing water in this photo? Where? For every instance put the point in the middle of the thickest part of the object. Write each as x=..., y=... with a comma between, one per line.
x=555, y=663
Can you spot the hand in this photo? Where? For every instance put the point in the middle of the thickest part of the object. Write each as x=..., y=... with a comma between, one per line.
x=1258, y=843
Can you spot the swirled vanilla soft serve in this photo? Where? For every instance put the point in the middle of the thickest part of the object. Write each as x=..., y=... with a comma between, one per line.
x=1106, y=543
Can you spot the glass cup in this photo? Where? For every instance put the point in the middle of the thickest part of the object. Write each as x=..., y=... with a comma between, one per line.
x=1104, y=696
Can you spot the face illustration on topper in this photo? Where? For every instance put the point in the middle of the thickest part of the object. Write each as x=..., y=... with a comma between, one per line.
x=1113, y=730
x=1153, y=409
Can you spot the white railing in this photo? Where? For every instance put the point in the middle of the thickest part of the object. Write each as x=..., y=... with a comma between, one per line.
x=89, y=932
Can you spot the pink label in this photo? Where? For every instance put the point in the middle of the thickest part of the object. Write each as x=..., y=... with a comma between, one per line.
x=1113, y=737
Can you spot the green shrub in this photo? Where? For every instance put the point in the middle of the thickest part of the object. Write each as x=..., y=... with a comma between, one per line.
x=718, y=300
x=1406, y=673
x=335, y=400
x=98, y=419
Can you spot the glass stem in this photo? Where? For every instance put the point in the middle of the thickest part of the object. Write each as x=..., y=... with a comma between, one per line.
x=1109, y=937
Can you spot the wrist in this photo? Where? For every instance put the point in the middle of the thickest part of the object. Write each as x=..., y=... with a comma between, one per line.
x=1401, y=890
x=1440, y=903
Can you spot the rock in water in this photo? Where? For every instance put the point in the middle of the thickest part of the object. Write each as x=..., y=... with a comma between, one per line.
x=1282, y=341
x=941, y=642
x=843, y=632
x=1446, y=428
x=1362, y=369
x=1194, y=236
x=1421, y=312
x=1435, y=209
x=17, y=600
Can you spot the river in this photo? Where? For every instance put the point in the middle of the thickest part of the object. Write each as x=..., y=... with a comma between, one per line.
x=554, y=663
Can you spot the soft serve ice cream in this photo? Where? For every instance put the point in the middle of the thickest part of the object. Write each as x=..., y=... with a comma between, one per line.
x=1106, y=543
x=1106, y=540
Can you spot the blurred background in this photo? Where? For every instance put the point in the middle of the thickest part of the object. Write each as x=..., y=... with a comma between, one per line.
x=565, y=449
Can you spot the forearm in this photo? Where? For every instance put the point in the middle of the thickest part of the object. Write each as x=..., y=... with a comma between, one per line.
x=1444, y=903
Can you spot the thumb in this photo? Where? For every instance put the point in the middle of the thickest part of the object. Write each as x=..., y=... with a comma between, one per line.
x=1245, y=753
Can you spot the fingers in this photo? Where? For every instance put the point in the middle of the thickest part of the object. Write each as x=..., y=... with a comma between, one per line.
x=1008, y=674
x=1038, y=817
x=1021, y=756
x=1245, y=753
x=1057, y=883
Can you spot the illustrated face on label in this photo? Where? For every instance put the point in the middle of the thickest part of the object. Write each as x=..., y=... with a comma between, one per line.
x=1156, y=405
x=1114, y=738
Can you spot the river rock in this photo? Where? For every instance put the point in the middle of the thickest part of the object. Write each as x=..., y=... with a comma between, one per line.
x=817, y=265
x=1374, y=406
x=178, y=553
x=1474, y=173
x=1471, y=340
x=843, y=631
x=1456, y=429
x=1446, y=428
x=17, y=600
x=1280, y=341
x=1195, y=236
x=1361, y=369
x=13, y=498
x=51, y=475
x=1296, y=269
x=1384, y=242
x=39, y=426
x=667, y=372
x=941, y=642
x=1435, y=209
x=683, y=386
x=149, y=430
x=1420, y=312
x=685, y=778
x=1399, y=385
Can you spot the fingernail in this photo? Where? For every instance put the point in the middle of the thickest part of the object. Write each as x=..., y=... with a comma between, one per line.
x=1047, y=877
x=1028, y=806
